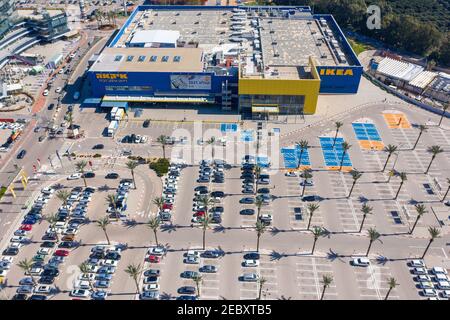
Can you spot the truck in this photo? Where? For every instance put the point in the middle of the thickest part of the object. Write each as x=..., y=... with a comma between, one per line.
x=119, y=114
x=112, y=128
x=113, y=112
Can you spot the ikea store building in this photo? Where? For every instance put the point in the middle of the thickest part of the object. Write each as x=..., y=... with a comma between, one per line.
x=260, y=61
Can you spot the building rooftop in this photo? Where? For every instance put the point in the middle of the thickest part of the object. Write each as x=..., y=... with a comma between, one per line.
x=154, y=38
x=38, y=15
x=398, y=69
x=149, y=60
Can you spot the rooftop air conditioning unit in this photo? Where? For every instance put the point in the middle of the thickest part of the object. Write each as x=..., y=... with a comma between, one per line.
x=323, y=55
x=199, y=14
x=276, y=54
x=274, y=42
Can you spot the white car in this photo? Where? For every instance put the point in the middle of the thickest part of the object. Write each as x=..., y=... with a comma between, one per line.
x=19, y=239
x=151, y=287
x=70, y=231
x=48, y=190
x=426, y=285
x=109, y=263
x=61, y=71
x=445, y=294
x=81, y=284
x=361, y=262
x=44, y=251
x=251, y=263
x=157, y=251
x=5, y=265
x=92, y=268
x=80, y=293
x=8, y=258
x=250, y=277
x=419, y=271
x=3, y=273
x=45, y=93
x=417, y=263
x=36, y=271
x=429, y=293
x=86, y=277
x=144, y=139
x=43, y=289
x=59, y=89
x=193, y=253
x=423, y=278
x=74, y=176
x=290, y=174
x=441, y=277
x=443, y=285
x=436, y=270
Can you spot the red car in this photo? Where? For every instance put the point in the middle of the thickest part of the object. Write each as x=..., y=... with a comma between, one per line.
x=153, y=258
x=167, y=206
x=26, y=227
x=61, y=253
x=199, y=214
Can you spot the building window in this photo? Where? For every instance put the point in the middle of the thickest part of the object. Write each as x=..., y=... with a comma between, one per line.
x=165, y=58
x=118, y=58
x=141, y=58
x=176, y=59
x=153, y=58
x=130, y=58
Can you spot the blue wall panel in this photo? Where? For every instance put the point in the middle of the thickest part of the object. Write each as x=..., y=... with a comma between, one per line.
x=339, y=79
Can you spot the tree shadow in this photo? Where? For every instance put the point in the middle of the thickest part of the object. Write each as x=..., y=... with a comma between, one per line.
x=169, y=227
x=166, y=296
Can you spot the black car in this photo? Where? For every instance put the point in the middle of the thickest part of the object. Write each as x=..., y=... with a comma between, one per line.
x=89, y=174
x=152, y=272
x=70, y=108
x=216, y=218
x=247, y=200
x=126, y=139
x=10, y=251
x=77, y=189
x=199, y=188
x=246, y=175
x=310, y=198
x=211, y=254
x=251, y=256
x=186, y=290
x=38, y=297
x=98, y=146
x=48, y=244
x=41, y=138
x=21, y=154
x=113, y=256
x=47, y=280
x=264, y=190
x=19, y=296
x=217, y=194
x=112, y=175
x=67, y=244
x=50, y=273
x=247, y=212
x=146, y=123
x=51, y=106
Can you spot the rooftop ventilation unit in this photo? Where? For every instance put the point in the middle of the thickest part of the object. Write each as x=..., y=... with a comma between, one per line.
x=199, y=14
x=323, y=55
x=276, y=54
x=274, y=42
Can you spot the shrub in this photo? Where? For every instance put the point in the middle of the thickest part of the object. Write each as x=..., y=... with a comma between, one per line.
x=160, y=166
x=97, y=155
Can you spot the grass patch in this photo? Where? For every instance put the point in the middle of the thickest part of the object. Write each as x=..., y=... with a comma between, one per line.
x=358, y=47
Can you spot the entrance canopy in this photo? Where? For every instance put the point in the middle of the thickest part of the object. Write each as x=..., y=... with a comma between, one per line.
x=269, y=109
x=161, y=99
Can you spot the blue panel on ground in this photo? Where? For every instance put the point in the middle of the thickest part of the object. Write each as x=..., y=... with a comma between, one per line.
x=366, y=132
x=333, y=155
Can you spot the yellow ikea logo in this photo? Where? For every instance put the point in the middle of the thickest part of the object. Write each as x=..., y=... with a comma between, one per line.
x=112, y=76
x=336, y=72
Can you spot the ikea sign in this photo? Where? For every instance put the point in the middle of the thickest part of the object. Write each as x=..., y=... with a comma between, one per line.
x=336, y=72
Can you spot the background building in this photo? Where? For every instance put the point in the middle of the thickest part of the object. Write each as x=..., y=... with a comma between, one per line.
x=260, y=61
x=8, y=15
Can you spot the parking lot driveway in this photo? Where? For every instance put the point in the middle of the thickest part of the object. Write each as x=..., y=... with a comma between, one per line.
x=373, y=280
x=266, y=270
x=309, y=273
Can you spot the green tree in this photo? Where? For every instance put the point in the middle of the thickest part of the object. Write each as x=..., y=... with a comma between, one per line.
x=80, y=166
x=389, y=149
x=159, y=202
x=434, y=233
x=212, y=142
x=403, y=178
x=84, y=269
x=373, y=235
x=312, y=207
x=345, y=147
x=204, y=222
x=434, y=150
x=63, y=195
x=366, y=209
x=111, y=200
x=134, y=271
x=446, y=192
x=261, y=282
x=306, y=175
x=326, y=281
x=444, y=109
x=103, y=223
x=52, y=219
x=26, y=265
x=153, y=223
x=422, y=128
x=304, y=145
x=198, y=280
x=392, y=284
x=260, y=228
x=317, y=232
x=259, y=202
x=132, y=165
x=356, y=175
x=421, y=210
x=257, y=172
x=338, y=126
x=163, y=140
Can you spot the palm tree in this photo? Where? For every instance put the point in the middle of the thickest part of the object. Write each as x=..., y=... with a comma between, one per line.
x=312, y=207
x=260, y=229
x=206, y=202
x=258, y=203
x=434, y=233
x=317, y=232
x=159, y=202
x=132, y=165
x=306, y=174
x=366, y=209
x=373, y=235
x=345, y=147
x=26, y=265
x=434, y=150
x=212, y=142
x=261, y=282
x=257, y=171
x=52, y=219
x=80, y=165
x=403, y=178
x=99, y=18
x=326, y=280
x=420, y=208
x=446, y=192
x=103, y=223
x=111, y=200
x=444, y=109
x=338, y=125
x=422, y=128
x=162, y=139
x=63, y=195
x=134, y=271
x=355, y=175
x=392, y=284
x=198, y=280
x=391, y=174
x=205, y=225
x=83, y=267
x=390, y=149
x=69, y=118
x=153, y=223
x=304, y=145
